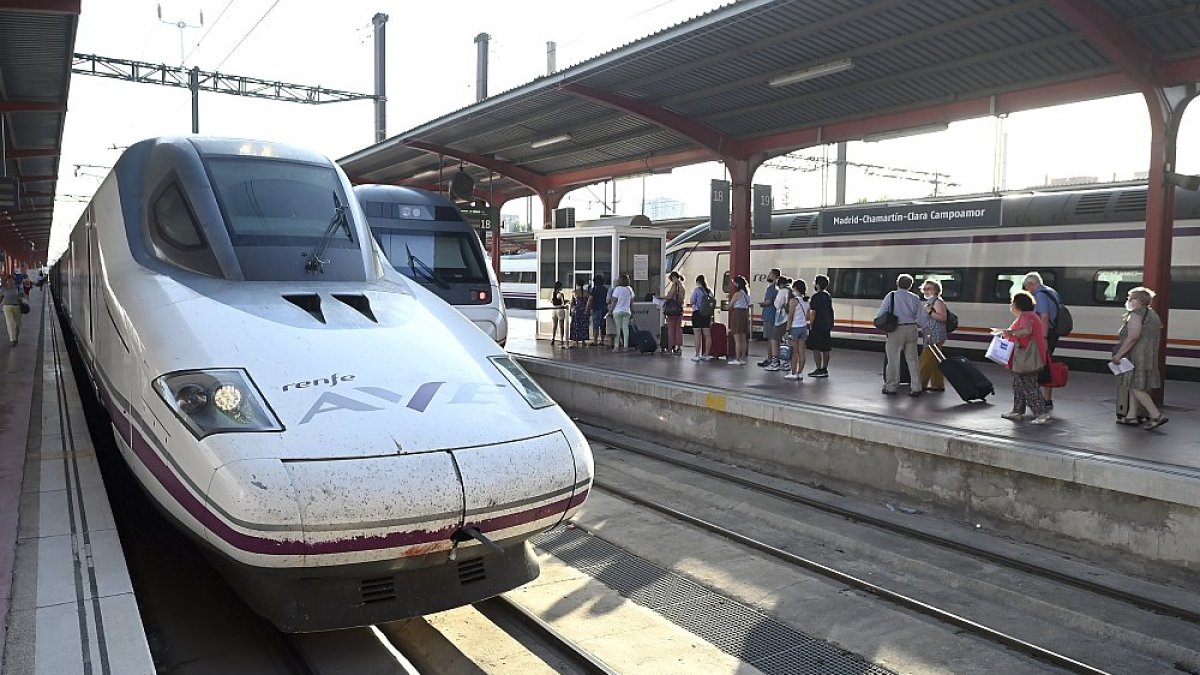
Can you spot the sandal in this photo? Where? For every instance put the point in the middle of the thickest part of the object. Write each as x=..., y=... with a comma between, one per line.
x=1129, y=422
x=1155, y=423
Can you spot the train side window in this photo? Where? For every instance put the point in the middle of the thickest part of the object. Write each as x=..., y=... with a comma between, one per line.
x=1009, y=283
x=1185, y=287
x=509, y=277
x=1110, y=287
x=862, y=284
x=951, y=282
x=174, y=222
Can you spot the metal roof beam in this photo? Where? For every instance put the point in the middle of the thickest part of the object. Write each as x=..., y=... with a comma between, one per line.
x=24, y=153
x=595, y=174
x=534, y=181
x=33, y=106
x=1116, y=40
x=37, y=179
x=697, y=132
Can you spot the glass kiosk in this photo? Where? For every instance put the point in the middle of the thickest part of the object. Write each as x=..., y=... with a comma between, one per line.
x=608, y=247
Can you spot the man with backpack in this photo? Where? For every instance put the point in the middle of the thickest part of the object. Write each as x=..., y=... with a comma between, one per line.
x=1056, y=319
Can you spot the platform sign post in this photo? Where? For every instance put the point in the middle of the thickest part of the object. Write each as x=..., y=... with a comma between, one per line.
x=719, y=211
x=763, y=205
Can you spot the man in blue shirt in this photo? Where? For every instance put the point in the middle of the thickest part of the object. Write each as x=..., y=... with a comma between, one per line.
x=1046, y=303
x=902, y=342
x=770, y=330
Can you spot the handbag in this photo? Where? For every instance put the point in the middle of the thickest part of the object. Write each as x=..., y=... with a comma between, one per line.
x=672, y=307
x=24, y=307
x=1054, y=375
x=888, y=321
x=1027, y=360
x=1000, y=350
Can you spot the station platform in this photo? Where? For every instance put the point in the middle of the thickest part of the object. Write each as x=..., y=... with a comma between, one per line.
x=1081, y=477
x=65, y=590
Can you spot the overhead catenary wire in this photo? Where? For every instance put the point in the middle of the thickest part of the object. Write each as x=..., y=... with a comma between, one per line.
x=210, y=28
x=247, y=35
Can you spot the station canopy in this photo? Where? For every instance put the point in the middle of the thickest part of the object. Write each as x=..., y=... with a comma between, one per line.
x=37, y=38
x=759, y=78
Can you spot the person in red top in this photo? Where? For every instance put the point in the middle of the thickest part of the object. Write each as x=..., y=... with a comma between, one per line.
x=1025, y=329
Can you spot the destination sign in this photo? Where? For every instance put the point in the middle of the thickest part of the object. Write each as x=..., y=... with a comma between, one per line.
x=934, y=216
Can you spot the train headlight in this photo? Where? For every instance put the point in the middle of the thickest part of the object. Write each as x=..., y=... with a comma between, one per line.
x=216, y=401
x=533, y=393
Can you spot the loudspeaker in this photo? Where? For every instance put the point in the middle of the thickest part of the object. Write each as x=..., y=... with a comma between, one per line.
x=462, y=185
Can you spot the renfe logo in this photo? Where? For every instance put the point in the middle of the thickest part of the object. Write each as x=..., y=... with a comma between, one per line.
x=467, y=393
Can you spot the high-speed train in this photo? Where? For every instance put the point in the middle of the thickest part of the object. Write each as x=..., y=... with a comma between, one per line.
x=427, y=240
x=518, y=276
x=347, y=447
x=1087, y=244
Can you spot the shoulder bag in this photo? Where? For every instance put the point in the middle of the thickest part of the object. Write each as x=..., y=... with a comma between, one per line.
x=888, y=322
x=1028, y=359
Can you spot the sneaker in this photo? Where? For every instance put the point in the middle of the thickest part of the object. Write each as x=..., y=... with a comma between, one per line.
x=774, y=367
x=1016, y=416
x=706, y=357
x=791, y=376
x=697, y=358
x=1041, y=419
x=1049, y=405
x=819, y=373
x=764, y=363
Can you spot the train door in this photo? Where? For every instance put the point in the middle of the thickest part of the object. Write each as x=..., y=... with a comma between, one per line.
x=719, y=278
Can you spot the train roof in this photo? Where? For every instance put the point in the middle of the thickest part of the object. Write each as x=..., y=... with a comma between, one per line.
x=400, y=194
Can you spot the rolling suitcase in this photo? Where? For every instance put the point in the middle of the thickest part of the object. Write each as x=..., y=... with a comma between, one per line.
x=1123, y=398
x=905, y=377
x=662, y=337
x=970, y=383
x=720, y=337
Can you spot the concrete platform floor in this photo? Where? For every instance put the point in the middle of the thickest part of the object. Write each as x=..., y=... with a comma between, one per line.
x=1084, y=412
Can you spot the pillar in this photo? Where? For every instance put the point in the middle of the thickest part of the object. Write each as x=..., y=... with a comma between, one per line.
x=741, y=176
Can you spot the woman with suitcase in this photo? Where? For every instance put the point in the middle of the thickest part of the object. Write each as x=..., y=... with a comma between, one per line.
x=934, y=329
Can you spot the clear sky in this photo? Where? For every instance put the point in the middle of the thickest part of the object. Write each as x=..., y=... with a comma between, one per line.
x=431, y=71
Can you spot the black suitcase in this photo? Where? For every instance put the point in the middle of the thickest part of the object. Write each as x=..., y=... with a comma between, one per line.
x=662, y=337
x=905, y=376
x=966, y=378
x=643, y=341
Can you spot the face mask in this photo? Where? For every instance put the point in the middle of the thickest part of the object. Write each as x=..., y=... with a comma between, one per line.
x=929, y=296
x=1129, y=306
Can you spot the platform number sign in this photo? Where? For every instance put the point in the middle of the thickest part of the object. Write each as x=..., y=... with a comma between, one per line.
x=719, y=215
x=763, y=205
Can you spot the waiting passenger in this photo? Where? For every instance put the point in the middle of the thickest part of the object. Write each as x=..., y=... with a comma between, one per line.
x=597, y=308
x=1046, y=301
x=782, y=300
x=579, y=315
x=558, y=315
x=902, y=342
x=704, y=305
x=1026, y=332
x=934, y=332
x=739, y=321
x=673, y=310
x=1141, y=331
x=798, y=314
x=621, y=309
x=820, y=329
x=770, y=334
x=10, y=298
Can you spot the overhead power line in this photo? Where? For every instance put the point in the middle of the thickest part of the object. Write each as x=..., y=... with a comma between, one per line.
x=211, y=26
x=237, y=85
x=247, y=35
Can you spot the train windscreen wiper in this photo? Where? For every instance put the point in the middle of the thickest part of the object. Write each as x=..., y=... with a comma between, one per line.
x=419, y=266
x=315, y=263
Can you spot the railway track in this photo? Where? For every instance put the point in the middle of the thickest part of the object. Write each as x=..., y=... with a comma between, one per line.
x=1177, y=610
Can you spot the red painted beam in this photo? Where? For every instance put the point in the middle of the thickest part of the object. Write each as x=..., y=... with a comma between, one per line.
x=695, y=131
x=531, y=179
x=1118, y=41
x=41, y=6
x=25, y=180
x=33, y=106
x=1182, y=71
x=22, y=153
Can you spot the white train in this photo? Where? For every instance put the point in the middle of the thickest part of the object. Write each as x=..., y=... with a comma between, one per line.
x=347, y=447
x=1088, y=244
x=518, y=279
x=427, y=240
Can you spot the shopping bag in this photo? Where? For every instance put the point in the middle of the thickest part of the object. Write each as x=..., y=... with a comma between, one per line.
x=1001, y=350
x=1027, y=360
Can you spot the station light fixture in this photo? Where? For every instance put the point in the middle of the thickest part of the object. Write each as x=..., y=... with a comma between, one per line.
x=550, y=141
x=841, y=65
x=902, y=133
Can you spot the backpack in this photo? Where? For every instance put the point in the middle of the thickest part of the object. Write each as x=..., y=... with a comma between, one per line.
x=1063, y=324
x=708, y=303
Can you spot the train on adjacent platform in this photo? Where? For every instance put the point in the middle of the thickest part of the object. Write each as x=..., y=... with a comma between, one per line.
x=1087, y=243
x=347, y=447
x=518, y=280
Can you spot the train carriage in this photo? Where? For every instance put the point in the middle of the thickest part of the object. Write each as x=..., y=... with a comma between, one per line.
x=1087, y=244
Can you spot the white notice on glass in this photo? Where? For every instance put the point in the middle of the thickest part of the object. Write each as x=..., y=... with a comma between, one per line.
x=1119, y=368
x=641, y=267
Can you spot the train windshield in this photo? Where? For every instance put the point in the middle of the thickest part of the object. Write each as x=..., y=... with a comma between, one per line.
x=273, y=202
x=437, y=259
